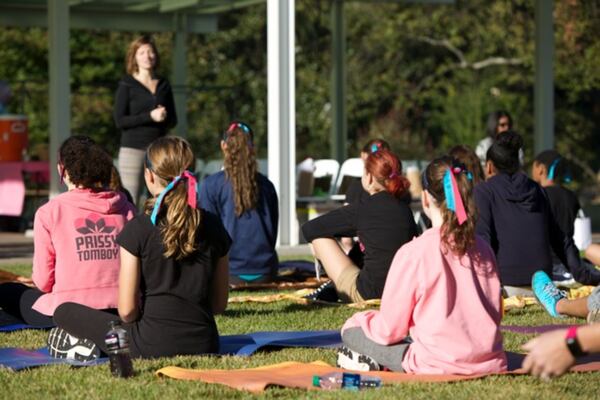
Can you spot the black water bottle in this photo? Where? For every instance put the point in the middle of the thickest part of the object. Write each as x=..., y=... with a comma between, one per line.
x=117, y=343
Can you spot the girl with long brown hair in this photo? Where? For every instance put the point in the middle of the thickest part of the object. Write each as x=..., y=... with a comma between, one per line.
x=247, y=204
x=383, y=223
x=440, y=310
x=174, y=269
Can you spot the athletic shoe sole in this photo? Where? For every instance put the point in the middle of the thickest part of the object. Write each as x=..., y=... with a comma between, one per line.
x=63, y=345
x=350, y=359
x=593, y=317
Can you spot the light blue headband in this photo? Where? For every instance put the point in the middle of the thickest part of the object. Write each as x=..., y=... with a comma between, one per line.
x=552, y=169
x=191, y=193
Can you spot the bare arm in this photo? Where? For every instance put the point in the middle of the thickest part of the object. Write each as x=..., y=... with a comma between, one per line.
x=129, y=283
x=219, y=289
x=548, y=353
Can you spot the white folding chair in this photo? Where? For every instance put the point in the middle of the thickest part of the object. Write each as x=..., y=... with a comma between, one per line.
x=352, y=167
x=327, y=168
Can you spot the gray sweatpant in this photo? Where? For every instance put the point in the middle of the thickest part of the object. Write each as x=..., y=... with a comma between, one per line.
x=387, y=356
x=593, y=300
x=131, y=168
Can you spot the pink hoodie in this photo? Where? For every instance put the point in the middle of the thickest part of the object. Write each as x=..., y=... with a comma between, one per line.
x=448, y=306
x=76, y=258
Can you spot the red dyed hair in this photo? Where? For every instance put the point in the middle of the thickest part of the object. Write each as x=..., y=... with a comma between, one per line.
x=386, y=168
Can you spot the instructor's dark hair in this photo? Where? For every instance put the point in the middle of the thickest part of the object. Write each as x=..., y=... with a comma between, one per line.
x=504, y=152
x=491, y=126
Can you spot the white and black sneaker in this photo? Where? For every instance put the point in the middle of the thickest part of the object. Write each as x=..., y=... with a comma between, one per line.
x=325, y=292
x=352, y=360
x=61, y=344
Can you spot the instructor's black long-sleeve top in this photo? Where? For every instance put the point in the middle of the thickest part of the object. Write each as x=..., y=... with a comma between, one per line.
x=133, y=104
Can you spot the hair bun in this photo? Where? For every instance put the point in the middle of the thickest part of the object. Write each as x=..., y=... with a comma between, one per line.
x=511, y=140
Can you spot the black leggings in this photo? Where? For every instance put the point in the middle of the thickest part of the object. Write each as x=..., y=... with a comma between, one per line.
x=85, y=322
x=17, y=300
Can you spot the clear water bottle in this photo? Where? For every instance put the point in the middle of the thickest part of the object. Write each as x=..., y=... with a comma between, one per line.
x=117, y=343
x=346, y=380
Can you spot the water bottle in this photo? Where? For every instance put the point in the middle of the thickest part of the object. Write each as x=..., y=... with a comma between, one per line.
x=346, y=380
x=117, y=343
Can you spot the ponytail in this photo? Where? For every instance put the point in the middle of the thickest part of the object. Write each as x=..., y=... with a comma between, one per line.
x=458, y=229
x=386, y=168
x=174, y=210
x=240, y=166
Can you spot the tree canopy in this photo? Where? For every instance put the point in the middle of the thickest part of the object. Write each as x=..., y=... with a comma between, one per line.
x=422, y=76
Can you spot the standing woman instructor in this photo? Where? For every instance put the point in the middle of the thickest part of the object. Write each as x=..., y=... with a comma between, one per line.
x=144, y=110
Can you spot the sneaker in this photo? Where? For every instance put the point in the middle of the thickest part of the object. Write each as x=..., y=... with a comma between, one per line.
x=325, y=292
x=546, y=293
x=593, y=316
x=61, y=344
x=352, y=360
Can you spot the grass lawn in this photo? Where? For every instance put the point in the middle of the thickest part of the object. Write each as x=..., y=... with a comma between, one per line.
x=97, y=383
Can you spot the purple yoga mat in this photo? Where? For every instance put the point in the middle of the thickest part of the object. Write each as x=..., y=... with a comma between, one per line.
x=532, y=330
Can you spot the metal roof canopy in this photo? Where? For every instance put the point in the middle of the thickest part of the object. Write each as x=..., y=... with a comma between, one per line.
x=199, y=16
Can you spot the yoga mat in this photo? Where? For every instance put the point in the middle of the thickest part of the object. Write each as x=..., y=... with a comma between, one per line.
x=239, y=345
x=298, y=299
x=19, y=359
x=292, y=274
x=245, y=345
x=299, y=375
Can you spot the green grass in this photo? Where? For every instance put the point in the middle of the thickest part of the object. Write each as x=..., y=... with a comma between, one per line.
x=96, y=382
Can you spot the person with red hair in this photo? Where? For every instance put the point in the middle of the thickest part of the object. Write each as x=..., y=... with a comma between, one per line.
x=383, y=223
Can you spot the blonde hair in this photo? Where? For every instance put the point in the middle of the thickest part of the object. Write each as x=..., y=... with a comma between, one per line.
x=168, y=157
x=456, y=237
x=130, y=63
x=241, y=167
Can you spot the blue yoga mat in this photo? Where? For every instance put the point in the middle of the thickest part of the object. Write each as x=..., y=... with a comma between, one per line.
x=245, y=345
x=18, y=359
x=239, y=345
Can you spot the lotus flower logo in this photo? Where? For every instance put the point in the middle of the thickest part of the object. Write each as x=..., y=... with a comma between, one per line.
x=93, y=224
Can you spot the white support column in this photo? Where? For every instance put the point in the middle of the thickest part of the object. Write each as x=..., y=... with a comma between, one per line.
x=179, y=74
x=544, y=77
x=59, y=72
x=339, y=126
x=281, y=113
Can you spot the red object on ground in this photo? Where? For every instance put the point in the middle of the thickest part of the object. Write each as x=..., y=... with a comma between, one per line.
x=13, y=137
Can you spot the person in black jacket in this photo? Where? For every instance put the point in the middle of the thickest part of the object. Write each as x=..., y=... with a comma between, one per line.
x=516, y=219
x=382, y=223
x=144, y=110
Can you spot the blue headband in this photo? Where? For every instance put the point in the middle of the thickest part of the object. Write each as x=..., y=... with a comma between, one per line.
x=192, y=185
x=552, y=169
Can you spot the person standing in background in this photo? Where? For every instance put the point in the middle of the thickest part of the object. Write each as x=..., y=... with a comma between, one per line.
x=144, y=110
x=497, y=122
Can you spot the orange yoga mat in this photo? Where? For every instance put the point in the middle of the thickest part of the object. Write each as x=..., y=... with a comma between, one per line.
x=299, y=375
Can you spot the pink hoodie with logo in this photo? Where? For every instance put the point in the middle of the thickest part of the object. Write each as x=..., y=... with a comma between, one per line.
x=449, y=306
x=76, y=257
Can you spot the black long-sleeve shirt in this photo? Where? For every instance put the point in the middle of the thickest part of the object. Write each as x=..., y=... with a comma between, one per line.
x=133, y=104
x=516, y=220
x=382, y=223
